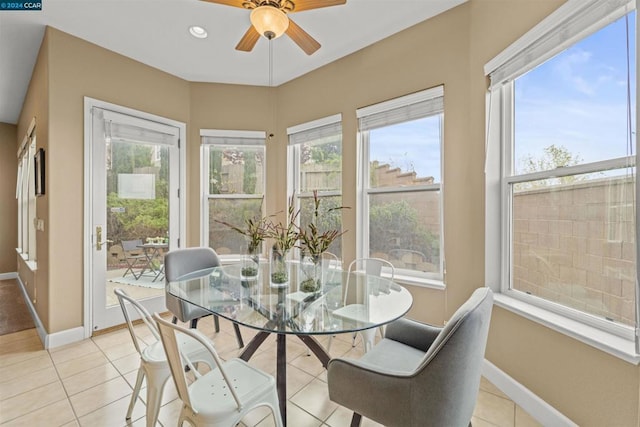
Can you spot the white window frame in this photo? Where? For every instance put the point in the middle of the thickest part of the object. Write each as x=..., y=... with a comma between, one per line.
x=225, y=138
x=570, y=23
x=308, y=131
x=436, y=94
x=26, y=197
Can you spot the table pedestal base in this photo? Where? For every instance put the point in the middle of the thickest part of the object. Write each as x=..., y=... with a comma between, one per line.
x=281, y=361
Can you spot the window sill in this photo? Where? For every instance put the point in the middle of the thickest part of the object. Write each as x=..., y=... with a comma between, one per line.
x=418, y=281
x=612, y=344
x=32, y=265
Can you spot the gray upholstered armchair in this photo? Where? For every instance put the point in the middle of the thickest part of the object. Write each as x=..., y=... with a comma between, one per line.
x=418, y=375
x=179, y=264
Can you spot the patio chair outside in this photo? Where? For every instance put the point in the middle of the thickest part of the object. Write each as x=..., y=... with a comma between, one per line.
x=134, y=257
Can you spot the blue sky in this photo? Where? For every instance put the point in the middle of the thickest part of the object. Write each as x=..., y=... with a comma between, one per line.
x=578, y=99
x=410, y=146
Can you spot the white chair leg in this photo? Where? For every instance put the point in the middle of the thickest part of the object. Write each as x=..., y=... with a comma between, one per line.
x=331, y=337
x=155, y=386
x=136, y=392
x=275, y=409
x=368, y=338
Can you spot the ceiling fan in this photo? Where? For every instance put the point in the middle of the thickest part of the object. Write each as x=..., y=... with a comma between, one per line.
x=269, y=18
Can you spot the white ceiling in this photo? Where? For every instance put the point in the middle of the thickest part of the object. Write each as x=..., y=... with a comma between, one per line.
x=155, y=32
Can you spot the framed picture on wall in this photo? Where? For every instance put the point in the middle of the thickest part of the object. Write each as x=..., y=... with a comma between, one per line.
x=38, y=163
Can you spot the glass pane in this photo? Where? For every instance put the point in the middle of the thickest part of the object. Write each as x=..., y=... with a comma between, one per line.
x=223, y=239
x=404, y=228
x=573, y=108
x=321, y=165
x=574, y=242
x=330, y=218
x=236, y=170
x=405, y=154
x=137, y=217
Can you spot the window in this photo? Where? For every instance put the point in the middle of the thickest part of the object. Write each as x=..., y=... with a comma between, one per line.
x=401, y=177
x=233, y=165
x=562, y=112
x=25, y=194
x=315, y=164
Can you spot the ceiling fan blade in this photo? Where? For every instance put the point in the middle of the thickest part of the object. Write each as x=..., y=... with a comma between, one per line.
x=301, y=5
x=235, y=3
x=248, y=41
x=301, y=38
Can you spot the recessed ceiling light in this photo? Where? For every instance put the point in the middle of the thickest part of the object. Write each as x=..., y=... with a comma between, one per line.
x=198, y=32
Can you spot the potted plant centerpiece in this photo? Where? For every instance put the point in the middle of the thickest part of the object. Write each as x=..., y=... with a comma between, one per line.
x=313, y=244
x=284, y=238
x=255, y=231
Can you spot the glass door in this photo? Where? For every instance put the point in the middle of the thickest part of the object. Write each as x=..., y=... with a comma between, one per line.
x=135, y=217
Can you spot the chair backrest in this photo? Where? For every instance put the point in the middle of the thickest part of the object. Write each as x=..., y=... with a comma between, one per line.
x=177, y=360
x=180, y=262
x=131, y=245
x=332, y=260
x=452, y=366
x=141, y=312
x=370, y=266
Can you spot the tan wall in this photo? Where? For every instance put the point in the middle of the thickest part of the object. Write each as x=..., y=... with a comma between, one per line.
x=404, y=63
x=8, y=204
x=78, y=69
x=232, y=107
x=587, y=385
x=36, y=105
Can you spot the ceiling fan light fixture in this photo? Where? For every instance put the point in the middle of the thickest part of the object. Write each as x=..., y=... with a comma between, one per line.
x=269, y=21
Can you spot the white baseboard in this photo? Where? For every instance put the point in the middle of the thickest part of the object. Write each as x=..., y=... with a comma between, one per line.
x=50, y=340
x=65, y=337
x=544, y=413
x=7, y=276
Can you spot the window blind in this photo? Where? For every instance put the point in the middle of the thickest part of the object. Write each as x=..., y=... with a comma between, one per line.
x=403, y=109
x=232, y=137
x=122, y=127
x=316, y=130
x=570, y=22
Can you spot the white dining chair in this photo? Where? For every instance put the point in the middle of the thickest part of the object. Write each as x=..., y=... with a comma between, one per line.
x=153, y=361
x=222, y=396
x=369, y=267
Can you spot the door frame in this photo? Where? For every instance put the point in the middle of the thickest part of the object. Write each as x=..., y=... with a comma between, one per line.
x=88, y=232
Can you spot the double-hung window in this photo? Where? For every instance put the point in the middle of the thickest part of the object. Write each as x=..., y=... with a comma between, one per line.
x=26, y=197
x=233, y=165
x=400, y=215
x=315, y=164
x=561, y=166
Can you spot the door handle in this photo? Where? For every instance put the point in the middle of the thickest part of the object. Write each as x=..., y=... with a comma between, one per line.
x=99, y=241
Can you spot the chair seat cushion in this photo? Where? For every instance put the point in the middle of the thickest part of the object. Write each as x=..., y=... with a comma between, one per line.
x=394, y=356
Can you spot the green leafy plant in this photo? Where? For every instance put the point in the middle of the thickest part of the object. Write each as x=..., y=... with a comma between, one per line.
x=286, y=235
x=313, y=242
x=255, y=230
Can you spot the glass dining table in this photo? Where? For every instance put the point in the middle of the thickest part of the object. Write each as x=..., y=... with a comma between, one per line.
x=347, y=302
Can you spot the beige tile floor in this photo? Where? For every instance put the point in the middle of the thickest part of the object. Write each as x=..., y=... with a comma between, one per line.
x=90, y=383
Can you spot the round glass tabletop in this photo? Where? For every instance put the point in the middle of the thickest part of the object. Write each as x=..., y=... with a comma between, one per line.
x=345, y=302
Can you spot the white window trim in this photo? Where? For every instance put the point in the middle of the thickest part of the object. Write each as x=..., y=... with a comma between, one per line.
x=204, y=175
x=411, y=277
x=27, y=207
x=613, y=339
x=293, y=163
